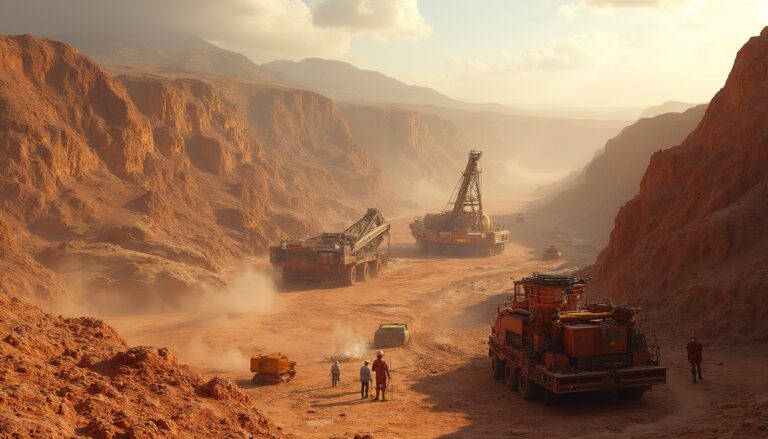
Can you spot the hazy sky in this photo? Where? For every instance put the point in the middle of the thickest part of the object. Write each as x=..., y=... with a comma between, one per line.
x=571, y=52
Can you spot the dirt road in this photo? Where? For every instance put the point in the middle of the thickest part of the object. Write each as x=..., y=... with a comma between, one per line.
x=441, y=380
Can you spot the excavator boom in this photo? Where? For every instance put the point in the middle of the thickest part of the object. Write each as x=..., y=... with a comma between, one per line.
x=462, y=224
x=469, y=194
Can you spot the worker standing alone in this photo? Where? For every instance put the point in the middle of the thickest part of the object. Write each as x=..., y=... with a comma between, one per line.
x=365, y=380
x=382, y=375
x=695, y=357
x=335, y=373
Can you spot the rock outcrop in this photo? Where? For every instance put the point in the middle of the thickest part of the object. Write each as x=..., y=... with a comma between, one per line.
x=422, y=155
x=693, y=244
x=146, y=187
x=589, y=206
x=66, y=377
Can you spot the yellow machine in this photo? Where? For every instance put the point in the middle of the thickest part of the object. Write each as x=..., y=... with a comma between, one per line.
x=391, y=335
x=272, y=368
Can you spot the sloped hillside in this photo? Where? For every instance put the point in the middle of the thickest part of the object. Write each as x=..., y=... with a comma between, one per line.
x=422, y=155
x=590, y=204
x=169, y=53
x=76, y=377
x=694, y=242
x=144, y=188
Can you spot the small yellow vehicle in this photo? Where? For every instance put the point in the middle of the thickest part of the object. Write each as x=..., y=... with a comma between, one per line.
x=391, y=335
x=272, y=368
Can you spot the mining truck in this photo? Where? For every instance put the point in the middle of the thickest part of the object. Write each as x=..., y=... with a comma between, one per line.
x=347, y=257
x=462, y=225
x=547, y=342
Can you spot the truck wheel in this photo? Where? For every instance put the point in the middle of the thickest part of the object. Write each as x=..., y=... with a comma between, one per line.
x=497, y=367
x=375, y=268
x=511, y=376
x=632, y=392
x=499, y=248
x=528, y=389
x=348, y=276
x=362, y=272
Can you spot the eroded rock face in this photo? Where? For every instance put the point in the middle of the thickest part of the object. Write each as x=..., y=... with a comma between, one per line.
x=613, y=177
x=161, y=182
x=419, y=152
x=66, y=377
x=694, y=242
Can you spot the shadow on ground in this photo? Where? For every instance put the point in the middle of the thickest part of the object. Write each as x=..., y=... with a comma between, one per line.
x=493, y=410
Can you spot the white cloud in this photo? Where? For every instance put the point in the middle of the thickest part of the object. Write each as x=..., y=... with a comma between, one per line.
x=262, y=29
x=574, y=52
x=569, y=10
x=384, y=18
x=467, y=66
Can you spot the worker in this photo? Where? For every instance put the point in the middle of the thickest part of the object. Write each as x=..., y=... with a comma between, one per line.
x=365, y=380
x=382, y=375
x=335, y=373
x=694, y=357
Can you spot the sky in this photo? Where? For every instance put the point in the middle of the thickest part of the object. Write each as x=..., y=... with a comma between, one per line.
x=518, y=52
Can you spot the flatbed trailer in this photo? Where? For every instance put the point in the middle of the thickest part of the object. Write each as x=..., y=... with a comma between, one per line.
x=482, y=243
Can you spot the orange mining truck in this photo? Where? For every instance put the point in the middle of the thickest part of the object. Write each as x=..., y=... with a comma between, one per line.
x=462, y=225
x=546, y=343
x=347, y=257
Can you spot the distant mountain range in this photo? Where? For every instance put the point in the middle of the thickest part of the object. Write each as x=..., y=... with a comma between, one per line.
x=169, y=53
x=667, y=107
x=179, y=54
x=345, y=82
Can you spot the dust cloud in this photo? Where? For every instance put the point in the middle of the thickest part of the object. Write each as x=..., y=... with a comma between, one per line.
x=188, y=318
x=345, y=344
x=212, y=359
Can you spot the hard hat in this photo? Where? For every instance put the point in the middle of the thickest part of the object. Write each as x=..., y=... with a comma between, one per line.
x=379, y=353
x=366, y=361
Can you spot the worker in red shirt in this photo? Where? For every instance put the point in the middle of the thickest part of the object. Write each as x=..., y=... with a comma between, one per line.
x=381, y=369
x=694, y=357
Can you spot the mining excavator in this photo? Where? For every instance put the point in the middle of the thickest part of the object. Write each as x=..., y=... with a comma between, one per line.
x=547, y=342
x=462, y=225
x=346, y=258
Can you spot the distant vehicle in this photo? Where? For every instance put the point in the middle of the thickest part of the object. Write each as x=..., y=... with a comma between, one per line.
x=346, y=258
x=544, y=343
x=462, y=225
x=272, y=368
x=552, y=253
x=391, y=335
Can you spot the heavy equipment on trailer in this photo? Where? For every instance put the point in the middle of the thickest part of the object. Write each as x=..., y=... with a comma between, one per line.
x=272, y=368
x=347, y=257
x=546, y=342
x=462, y=224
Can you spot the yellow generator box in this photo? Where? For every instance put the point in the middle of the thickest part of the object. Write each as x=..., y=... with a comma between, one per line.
x=270, y=364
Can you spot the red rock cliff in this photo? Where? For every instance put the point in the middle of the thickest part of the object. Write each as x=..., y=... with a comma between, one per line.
x=694, y=242
x=146, y=186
